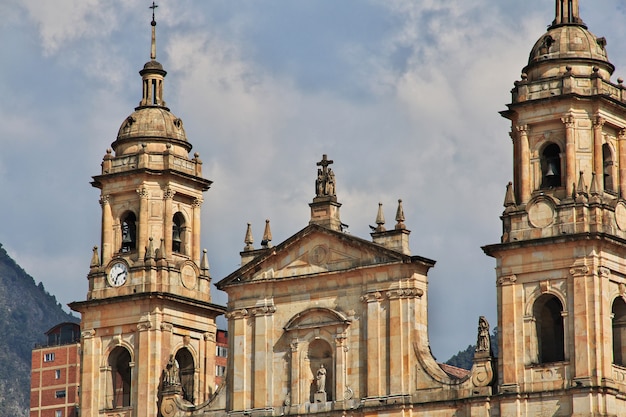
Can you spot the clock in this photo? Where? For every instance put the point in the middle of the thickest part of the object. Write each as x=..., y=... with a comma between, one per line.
x=118, y=274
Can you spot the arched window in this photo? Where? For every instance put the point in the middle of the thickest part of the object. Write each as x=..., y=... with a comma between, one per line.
x=551, y=166
x=178, y=230
x=607, y=170
x=550, y=334
x=119, y=364
x=129, y=232
x=186, y=371
x=321, y=362
x=619, y=332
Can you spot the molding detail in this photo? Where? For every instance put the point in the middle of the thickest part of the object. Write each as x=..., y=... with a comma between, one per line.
x=144, y=325
x=88, y=334
x=237, y=314
x=579, y=271
x=209, y=337
x=167, y=327
x=370, y=297
x=405, y=293
x=507, y=280
x=604, y=272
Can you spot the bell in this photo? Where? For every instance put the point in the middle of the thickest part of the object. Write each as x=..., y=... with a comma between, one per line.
x=176, y=235
x=127, y=238
x=553, y=170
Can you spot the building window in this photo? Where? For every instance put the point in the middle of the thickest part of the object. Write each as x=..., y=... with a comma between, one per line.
x=58, y=413
x=57, y=374
x=119, y=363
x=551, y=166
x=129, y=232
x=550, y=333
x=619, y=332
x=186, y=371
x=178, y=228
x=220, y=370
x=48, y=357
x=59, y=394
x=221, y=351
x=608, y=167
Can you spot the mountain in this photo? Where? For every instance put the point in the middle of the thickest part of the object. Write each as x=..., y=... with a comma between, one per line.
x=27, y=311
x=465, y=358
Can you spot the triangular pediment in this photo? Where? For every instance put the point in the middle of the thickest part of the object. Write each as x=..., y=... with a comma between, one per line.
x=314, y=250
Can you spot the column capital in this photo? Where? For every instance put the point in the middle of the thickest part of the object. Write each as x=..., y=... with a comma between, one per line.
x=523, y=129
x=105, y=199
x=568, y=121
x=507, y=280
x=142, y=192
x=598, y=121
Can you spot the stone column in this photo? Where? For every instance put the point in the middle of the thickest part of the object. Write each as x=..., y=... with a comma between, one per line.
x=296, y=397
x=142, y=222
x=524, y=164
x=195, y=231
x=262, y=373
x=340, y=367
x=510, y=360
x=208, y=359
x=570, y=154
x=598, y=160
x=238, y=361
x=376, y=347
x=107, y=230
x=622, y=163
x=168, y=218
x=146, y=376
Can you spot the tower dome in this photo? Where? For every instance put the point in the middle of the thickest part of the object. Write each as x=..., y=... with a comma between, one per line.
x=152, y=127
x=568, y=44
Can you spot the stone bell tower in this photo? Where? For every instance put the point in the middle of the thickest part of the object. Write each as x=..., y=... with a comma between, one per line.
x=148, y=306
x=560, y=265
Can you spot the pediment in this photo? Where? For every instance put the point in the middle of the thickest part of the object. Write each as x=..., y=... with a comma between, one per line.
x=314, y=250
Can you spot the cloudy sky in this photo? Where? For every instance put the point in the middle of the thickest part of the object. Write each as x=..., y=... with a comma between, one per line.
x=402, y=94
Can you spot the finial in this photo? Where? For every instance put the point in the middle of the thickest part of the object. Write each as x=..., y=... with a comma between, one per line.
x=509, y=197
x=581, y=189
x=593, y=189
x=380, y=219
x=95, y=259
x=149, y=250
x=161, y=253
x=204, y=263
x=153, y=24
x=267, y=235
x=248, y=240
x=400, y=216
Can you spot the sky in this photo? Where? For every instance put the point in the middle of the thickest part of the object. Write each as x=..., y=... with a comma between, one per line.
x=403, y=95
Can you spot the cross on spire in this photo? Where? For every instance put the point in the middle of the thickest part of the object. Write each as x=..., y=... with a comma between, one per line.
x=324, y=163
x=154, y=6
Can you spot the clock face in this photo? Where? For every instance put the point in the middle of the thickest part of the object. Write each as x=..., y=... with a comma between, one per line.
x=118, y=274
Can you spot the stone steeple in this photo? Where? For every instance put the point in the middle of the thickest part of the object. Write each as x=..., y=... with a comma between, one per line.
x=151, y=266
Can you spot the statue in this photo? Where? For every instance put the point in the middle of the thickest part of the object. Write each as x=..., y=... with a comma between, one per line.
x=170, y=376
x=319, y=183
x=325, y=181
x=321, y=379
x=483, y=344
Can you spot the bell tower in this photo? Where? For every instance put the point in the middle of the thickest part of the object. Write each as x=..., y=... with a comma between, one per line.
x=148, y=306
x=560, y=265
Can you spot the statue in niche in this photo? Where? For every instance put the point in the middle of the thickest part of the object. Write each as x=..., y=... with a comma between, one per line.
x=483, y=344
x=170, y=374
x=321, y=379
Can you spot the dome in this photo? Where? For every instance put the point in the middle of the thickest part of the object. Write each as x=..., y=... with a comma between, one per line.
x=152, y=125
x=568, y=45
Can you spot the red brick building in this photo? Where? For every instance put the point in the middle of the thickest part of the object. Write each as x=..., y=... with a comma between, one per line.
x=55, y=373
x=221, y=355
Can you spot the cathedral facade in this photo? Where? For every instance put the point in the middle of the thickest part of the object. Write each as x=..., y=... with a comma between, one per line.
x=327, y=323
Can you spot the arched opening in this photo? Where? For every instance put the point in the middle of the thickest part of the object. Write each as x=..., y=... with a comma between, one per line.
x=129, y=232
x=178, y=231
x=607, y=170
x=186, y=371
x=320, y=357
x=619, y=332
x=550, y=332
x=119, y=364
x=551, y=166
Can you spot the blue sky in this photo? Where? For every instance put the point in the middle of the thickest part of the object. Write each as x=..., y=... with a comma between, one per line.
x=402, y=95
